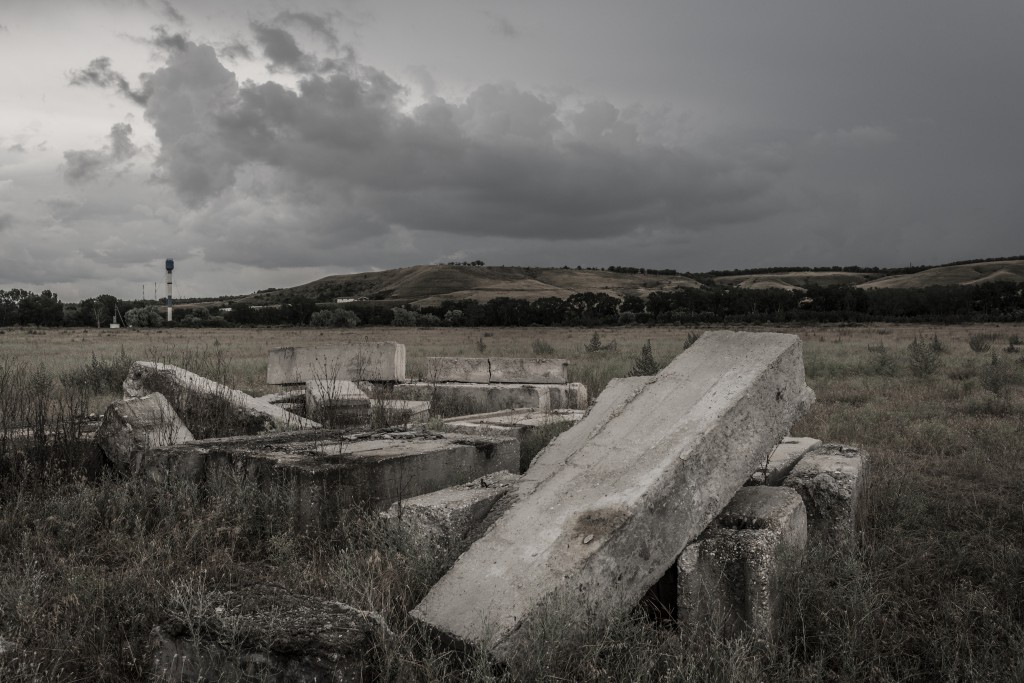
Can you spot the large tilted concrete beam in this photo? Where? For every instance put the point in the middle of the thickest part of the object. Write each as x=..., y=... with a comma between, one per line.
x=620, y=495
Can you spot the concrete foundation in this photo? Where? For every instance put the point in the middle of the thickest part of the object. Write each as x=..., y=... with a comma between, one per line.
x=375, y=361
x=321, y=472
x=398, y=412
x=634, y=490
x=206, y=407
x=336, y=402
x=466, y=399
x=132, y=426
x=830, y=480
x=517, y=422
x=782, y=461
x=729, y=579
x=497, y=370
x=264, y=633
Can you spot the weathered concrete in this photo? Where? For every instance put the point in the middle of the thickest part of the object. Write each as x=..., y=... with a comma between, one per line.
x=132, y=426
x=782, y=461
x=322, y=472
x=264, y=633
x=286, y=397
x=830, y=480
x=607, y=523
x=376, y=361
x=336, y=401
x=206, y=407
x=516, y=422
x=398, y=412
x=497, y=370
x=730, y=577
x=449, y=517
x=465, y=399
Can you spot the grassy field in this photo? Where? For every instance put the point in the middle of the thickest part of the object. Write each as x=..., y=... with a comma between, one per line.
x=934, y=589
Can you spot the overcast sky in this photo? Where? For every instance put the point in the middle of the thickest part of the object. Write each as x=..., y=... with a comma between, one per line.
x=264, y=143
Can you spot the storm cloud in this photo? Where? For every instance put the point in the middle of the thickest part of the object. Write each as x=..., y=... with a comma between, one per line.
x=85, y=165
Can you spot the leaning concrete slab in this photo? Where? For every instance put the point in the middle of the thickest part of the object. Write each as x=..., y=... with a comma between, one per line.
x=206, y=407
x=321, y=472
x=264, y=632
x=375, y=361
x=613, y=518
x=516, y=422
x=730, y=577
x=782, y=461
x=830, y=480
x=450, y=399
x=132, y=426
x=448, y=518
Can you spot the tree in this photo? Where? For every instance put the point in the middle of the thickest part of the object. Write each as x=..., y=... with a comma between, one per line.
x=644, y=364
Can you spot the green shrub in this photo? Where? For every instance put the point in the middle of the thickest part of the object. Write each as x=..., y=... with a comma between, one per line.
x=923, y=358
x=542, y=348
x=980, y=343
x=644, y=364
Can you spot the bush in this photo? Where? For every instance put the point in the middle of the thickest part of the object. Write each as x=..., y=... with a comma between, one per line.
x=403, y=317
x=542, y=348
x=924, y=359
x=149, y=316
x=644, y=364
x=337, y=317
x=980, y=343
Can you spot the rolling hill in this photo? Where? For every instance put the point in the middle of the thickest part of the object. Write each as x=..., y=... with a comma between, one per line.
x=959, y=274
x=794, y=280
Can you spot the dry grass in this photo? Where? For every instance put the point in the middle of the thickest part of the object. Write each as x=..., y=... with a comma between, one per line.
x=933, y=591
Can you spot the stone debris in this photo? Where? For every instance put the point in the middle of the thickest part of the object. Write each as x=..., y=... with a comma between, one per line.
x=373, y=361
x=324, y=471
x=643, y=483
x=730, y=576
x=497, y=370
x=782, y=461
x=516, y=422
x=396, y=411
x=450, y=517
x=209, y=408
x=133, y=426
x=335, y=401
x=264, y=632
x=448, y=399
x=829, y=479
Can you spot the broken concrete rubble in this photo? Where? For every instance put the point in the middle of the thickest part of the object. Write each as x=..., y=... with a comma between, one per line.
x=336, y=401
x=730, y=576
x=496, y=370
x=321, y=472
x=465, y=399
x=829, y=479
x=132, y=426
x=206, y=407
x=782, y=461
x=373, y=361
x=607, y=518
x=516, y=422
x=264, y=632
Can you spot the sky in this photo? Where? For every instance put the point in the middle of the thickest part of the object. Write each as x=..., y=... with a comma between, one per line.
x=264, y=143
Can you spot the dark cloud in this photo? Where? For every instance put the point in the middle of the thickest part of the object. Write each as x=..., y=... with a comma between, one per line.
x=502, y=26
x=84, y=165
x=505, y=162
x=100, y=73
x=6, y=221
x=314, y=23
x=236, y=50
x=167, y=41
x=280, y=48
x=171, y=12
x=17, y=147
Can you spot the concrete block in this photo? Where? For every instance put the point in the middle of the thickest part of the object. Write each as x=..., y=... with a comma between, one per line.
x=830, y=479
x=336, y=402
x=264, y=632
x=394, y=411
x=529, y=370
x=516, y=422
x=634, y=490
x=206, y=407
x=448, y=518
x=782, y=460
x=134, y=425
x=375, y=361
x=453, y=369
x=731, y=576
x=321, y=472
x=449, y=399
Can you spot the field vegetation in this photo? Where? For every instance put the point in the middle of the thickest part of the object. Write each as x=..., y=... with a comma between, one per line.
x=932, y=590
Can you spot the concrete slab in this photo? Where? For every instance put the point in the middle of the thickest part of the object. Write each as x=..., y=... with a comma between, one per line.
x=730, y=578
x=830, y=479
x=206, y=407
x=375, y=361
x=448, y=518
x=264, y=632
x=336, y=402
x=610, y=521
x=516, y=422
x=396, y=412
x=496, y=370
x=134, y=425
x=782, y=460
x=450, y=399
x=323, y=471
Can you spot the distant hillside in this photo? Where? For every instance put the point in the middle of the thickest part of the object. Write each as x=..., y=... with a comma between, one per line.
x=429, y=285
x=961, y=274
x=794, y=280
